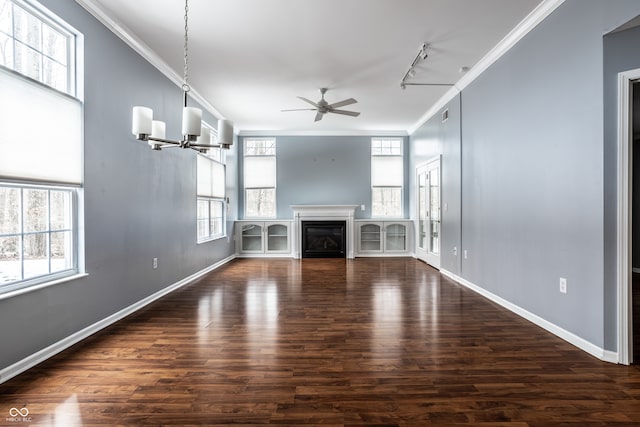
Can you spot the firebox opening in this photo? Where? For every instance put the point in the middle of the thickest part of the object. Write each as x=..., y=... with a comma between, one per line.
x=324, y=239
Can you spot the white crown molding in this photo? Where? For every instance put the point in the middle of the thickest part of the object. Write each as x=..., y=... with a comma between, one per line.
x=322, y=133
x=571, y=338
x=534, y=18
x=126, y=35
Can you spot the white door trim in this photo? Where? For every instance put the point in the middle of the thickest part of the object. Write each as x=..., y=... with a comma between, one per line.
x=427, y=257
x=623, y=252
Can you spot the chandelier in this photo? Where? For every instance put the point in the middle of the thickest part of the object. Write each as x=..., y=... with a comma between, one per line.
x=194, y=135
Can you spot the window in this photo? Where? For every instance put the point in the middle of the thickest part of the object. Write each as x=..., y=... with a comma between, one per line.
x=36, y=46
x=36, y=232
x=40, y=181
x=259, y=177
x=211, y=187
x=387, y=178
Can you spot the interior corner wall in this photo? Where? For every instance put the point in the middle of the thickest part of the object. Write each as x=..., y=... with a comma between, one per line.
x=323, y=170
x=442, y=138
x=138, y=203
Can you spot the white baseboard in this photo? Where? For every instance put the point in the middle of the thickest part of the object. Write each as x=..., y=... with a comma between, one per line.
x=581, y=343
x=50, y=351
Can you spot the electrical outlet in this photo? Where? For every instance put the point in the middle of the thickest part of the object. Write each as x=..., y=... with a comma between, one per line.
x=563, y=285
x=155, y=263
x=455, y=251
x=362, y=207
x=465, y=254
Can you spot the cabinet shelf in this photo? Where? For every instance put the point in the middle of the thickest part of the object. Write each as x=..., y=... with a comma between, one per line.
x=383, y=238
x=263, y=238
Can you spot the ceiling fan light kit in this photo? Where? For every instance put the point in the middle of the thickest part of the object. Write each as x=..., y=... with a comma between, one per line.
x=194, y=135
x=322, y=107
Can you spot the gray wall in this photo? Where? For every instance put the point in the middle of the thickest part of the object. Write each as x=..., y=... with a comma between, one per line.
x=139, y=204
x=324, y=170
x=438, y=138
x=534, y=200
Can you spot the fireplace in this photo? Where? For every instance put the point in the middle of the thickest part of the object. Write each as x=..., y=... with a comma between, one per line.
x=324, y=239
x=323, y=214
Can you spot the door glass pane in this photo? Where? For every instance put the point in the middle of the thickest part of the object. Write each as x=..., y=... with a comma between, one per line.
x=422, y=210
x=434, y=210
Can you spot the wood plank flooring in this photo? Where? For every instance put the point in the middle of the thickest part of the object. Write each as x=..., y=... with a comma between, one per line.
x=375, y=342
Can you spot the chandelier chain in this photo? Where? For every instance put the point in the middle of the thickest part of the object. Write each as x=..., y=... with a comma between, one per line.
x=185, y=86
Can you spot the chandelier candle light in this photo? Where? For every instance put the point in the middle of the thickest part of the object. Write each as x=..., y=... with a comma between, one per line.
x=194, y=135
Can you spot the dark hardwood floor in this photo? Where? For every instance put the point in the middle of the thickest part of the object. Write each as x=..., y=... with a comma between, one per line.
x=328, y=342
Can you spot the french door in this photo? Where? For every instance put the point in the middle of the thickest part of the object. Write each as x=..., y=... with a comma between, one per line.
x=428, y=229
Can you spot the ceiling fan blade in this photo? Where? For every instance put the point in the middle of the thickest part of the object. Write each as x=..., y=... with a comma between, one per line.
x=345, y=112
x=342, y=103
x=300, y=109
x=319, y=116
x=309, y=102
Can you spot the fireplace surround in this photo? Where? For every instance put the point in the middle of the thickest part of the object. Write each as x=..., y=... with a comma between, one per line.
x=323, y=213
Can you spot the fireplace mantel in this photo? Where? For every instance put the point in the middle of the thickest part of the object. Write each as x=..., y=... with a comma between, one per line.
x=322, y=213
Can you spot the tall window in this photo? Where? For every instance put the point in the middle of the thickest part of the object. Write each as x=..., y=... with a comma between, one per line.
x=259, y=177
x=211, y=187
x=36, y=232
x=36, y=46
x=39, y=180
x=387, y=178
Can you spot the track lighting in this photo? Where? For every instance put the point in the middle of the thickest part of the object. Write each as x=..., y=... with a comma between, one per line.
x=411, y=72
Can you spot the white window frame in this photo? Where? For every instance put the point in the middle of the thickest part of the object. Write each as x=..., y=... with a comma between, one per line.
x=390, y=147
x=26, y=180
x=246, y=142
x=73, y=41
x=215, y=155
x=23, y=282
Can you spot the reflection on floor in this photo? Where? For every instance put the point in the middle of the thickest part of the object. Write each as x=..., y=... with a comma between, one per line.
x=326, y=342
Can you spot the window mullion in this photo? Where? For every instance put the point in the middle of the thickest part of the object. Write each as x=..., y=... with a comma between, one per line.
x=21, y=225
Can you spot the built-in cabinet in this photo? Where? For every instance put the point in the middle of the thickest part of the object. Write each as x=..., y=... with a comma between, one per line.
x=383, y=238
x=257, y=238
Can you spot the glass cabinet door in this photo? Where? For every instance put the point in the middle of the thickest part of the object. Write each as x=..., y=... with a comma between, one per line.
x=277, y=238
x=251, y=238
x=395, y=238
x=370, y=237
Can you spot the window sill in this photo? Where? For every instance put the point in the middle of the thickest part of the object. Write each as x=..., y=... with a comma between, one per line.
x=26, y=289
x=211, y=239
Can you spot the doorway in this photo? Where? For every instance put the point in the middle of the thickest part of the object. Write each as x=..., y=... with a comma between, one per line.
x=628, y=227
x=428, y=182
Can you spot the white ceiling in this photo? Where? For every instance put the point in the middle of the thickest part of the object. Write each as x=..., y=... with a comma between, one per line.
x=251, y=58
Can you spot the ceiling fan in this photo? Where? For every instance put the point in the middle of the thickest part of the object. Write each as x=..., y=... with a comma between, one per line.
x=323, y=107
